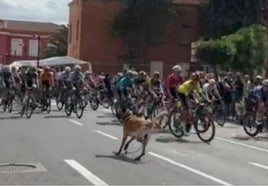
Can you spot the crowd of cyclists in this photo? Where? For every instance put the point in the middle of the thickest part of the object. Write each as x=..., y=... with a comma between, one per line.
x=238, y=94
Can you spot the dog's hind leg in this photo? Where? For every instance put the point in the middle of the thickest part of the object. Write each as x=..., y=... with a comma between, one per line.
x=126, y=146
x=144, y=144
x=122, y=145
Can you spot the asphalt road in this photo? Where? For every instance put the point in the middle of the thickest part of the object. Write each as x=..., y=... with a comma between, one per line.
x=69, y=151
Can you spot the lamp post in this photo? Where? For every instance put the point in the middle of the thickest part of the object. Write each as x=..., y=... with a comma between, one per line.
x=38, y=48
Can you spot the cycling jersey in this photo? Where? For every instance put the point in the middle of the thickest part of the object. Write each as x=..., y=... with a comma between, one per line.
x=188, y=87
x=46, y=76
x=125, y=82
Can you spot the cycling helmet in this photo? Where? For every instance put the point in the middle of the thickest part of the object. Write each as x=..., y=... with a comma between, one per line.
x=46, y=68
x=156, y=74
x=67, y=69
x=176, y=68
x=77, y=68
x=211, y=81
x=142, y=73
x=265, y=82
x=195, y=77
x=259, y=77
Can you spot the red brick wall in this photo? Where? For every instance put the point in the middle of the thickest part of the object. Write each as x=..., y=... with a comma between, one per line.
x=172, y=52
x=96, y=45
x=75, y=15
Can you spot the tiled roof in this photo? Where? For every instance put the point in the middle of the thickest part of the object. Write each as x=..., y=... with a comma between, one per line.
x=28, y=26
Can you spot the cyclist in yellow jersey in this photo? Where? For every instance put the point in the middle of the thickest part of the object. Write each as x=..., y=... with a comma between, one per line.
x=190, y=89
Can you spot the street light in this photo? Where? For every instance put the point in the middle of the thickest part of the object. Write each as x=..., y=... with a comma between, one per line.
x=38, y=48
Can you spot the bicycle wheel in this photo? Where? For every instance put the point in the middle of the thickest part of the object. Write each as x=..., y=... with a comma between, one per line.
x=202, y=125
x=79, y=108
x=48, y=104
x=29, y=108
x=105, y=102
x=175, y=124
x=59, y=101
x=4, y=105
x=249, y=124
x=94, y=103
x=68, y=107
x=10, y=106
x=219, y=115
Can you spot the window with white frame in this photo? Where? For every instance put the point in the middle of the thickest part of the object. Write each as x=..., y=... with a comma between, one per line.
x=33, y=47
x=16, y=47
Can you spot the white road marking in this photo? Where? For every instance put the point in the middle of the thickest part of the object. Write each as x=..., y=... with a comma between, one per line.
x=76, y=122
x=86, y=173
x=258, y=165
x=107, y=135
x=190, y=169
x=243, y=144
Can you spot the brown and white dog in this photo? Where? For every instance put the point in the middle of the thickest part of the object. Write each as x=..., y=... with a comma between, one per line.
x=136, y=128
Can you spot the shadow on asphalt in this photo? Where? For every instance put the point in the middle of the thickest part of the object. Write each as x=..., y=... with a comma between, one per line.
x=106, y=116
x=242, y=138
x=10, y=117
x=113, y=122
x=120, y=158
x=175, y=140
x=262, y=138
x=55, y=117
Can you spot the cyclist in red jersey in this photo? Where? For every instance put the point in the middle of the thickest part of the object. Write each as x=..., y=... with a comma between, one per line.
x=174, y=81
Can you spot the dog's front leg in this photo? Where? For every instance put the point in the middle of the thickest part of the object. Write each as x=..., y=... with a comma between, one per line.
x=122, y=145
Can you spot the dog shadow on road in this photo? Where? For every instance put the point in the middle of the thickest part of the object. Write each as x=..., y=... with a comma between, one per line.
x=122, y=157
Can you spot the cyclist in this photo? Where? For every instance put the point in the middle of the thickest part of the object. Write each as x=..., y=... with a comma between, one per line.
x=124, y=84
x=155, y=85
x=174, y=81
x=64, y=76
x=210, y=90
x=190, y=91
x=76, y=77
x=46, y=78
x=30, y=80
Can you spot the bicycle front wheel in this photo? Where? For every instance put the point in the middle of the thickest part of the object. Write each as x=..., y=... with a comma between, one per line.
x=205, y=127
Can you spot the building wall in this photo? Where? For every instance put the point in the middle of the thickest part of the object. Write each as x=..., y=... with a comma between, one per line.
x=103, y=51
x=179, y=36
x=74, y=26
x=97, y=46
x=5, y=45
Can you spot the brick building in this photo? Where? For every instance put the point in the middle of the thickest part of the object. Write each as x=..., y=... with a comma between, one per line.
x=19, y=39
x=89, y=39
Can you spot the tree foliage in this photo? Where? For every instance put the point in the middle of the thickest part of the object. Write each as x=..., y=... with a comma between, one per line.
x=244, y=50
x=141, y=23
x=228, y=16
x=58, y=43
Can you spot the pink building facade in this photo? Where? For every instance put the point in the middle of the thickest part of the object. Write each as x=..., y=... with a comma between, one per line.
x=19, y=40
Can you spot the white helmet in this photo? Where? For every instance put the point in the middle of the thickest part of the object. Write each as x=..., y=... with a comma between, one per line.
x=265, y=82
x=176, y=68
x=67, y=69
x=212, y=81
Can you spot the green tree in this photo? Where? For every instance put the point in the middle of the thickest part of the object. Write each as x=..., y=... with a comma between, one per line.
x=141, y=23
x=58, y=43
x=228, y=16
x=245, y=50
